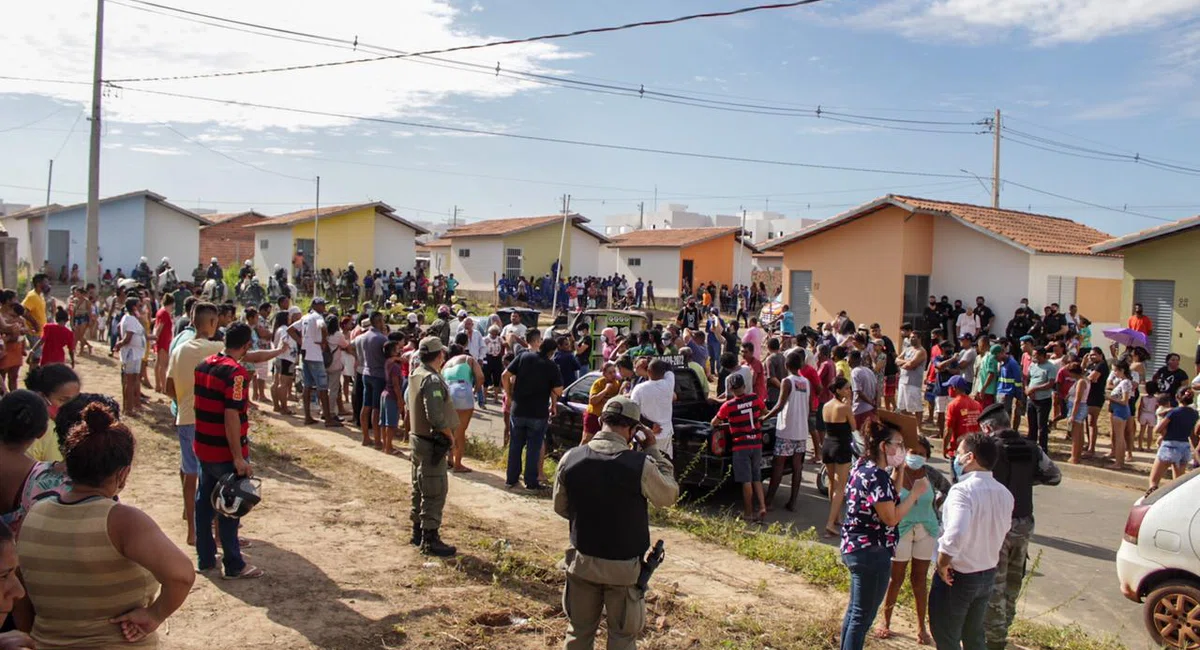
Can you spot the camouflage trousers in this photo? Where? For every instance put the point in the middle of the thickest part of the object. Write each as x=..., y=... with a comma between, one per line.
x=1010, y=573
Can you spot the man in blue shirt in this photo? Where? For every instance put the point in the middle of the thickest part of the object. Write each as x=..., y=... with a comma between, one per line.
x=1009, y=391
x=637, y=292
x=712, y=340
x=787, y=321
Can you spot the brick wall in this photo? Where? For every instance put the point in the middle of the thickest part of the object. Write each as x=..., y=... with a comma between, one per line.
x=229, y=241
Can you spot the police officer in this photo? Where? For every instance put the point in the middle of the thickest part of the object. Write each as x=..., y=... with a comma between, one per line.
x=441, y=326
x=433, y=418
x=602, y=488
x=1022, y=465
x=214, y=272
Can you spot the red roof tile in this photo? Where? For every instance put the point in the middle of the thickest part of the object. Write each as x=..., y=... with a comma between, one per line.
x=670, y=237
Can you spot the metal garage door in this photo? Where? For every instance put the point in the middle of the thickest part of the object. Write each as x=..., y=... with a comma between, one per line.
x=1158, y=299
x=800, y=297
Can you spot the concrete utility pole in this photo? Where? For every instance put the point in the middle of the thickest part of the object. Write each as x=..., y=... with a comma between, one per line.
x=737, y=251
x=642, y=215
x=996, y=162
x=91, y=270
x=454, y=218
x=316, y=224
x=562, y=239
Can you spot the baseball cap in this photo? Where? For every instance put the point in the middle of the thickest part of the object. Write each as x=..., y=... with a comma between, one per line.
x=996, y=349
x=443, y=310
x=462, y=313
x=412, y=318
x=735, y=382
x=294, y=310
x=1026, y=338
x=621, y=405
x=667, y=337
x=966, y=336
x=430, y=344
x=958, y=383
x=318, y=301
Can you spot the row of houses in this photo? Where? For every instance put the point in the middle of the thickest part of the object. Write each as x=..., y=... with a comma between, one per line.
x=880, y=261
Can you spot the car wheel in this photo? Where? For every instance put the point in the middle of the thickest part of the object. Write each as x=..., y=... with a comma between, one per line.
x=1172, y=615
x=822, y=481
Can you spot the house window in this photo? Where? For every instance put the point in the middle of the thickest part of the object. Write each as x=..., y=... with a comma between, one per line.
x=263, y=244
x=464, y=252
x=635, y=261
x=512, y=262
x=1060, y=289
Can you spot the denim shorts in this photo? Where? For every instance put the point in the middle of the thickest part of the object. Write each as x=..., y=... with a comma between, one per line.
x=462, y=395
x=373, y=391
x=1119, y=411
x=1081, y=415
x=315, y=376
x=389, y=413
x=747, y=465
x=188, y=463
x=1175, y=452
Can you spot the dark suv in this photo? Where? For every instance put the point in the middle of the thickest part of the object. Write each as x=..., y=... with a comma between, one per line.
x=700, y=459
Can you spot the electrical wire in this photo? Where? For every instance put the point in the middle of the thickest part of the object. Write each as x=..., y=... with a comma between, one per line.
x=1066, y=148
x=1082, y=202
x=37, y=121
x=478, y=46
x=534, y=138
x=233, y=159
x=68, y=138
x=626, y=89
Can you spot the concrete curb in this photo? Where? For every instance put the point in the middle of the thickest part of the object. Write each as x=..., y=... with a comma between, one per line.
x=1132, y=482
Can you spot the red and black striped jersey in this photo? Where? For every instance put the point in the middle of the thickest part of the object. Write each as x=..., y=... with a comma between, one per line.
x=221, y=384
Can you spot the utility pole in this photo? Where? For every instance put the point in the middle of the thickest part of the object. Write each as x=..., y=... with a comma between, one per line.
x=316, y=225
x=454, y=218
x=641, y=214
x=737, y=251
x=996, y=162
x=39, y=234
x=562, y=239
x=91, y=271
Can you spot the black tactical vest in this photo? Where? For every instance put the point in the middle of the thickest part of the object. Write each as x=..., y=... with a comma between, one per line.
x=608, y=513
x=1016, y=469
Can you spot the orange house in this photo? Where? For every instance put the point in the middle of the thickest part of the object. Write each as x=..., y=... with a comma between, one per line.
x=881, y=261
x=671, y=256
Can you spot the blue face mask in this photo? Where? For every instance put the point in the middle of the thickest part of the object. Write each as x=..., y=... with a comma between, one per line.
x=958, y=468
x=914, y=461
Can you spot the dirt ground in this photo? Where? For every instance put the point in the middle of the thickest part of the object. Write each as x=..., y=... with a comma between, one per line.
x=332, y=535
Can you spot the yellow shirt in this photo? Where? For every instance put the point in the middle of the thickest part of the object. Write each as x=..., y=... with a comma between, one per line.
x=843, y=368
x=46, y=447
x=182, y=369
x=35, y=304
x=598, y=387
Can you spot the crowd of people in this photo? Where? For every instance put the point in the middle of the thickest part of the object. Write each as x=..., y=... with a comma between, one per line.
x=837, y=394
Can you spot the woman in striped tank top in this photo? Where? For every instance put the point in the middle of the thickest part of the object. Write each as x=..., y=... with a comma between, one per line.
x=93, y=567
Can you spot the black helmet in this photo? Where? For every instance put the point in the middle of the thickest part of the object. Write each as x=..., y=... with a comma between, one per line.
x=235, y=496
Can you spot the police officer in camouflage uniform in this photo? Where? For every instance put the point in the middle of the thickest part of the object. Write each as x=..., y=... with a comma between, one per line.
x=1022, y=464
x=433, y=418
x=603, y=488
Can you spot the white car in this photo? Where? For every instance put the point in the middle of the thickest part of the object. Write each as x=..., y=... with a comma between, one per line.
x=1159, y=562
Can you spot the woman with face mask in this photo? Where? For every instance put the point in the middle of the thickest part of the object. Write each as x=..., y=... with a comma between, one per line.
x=869, y=536
x=127, y=576
x=917, y=533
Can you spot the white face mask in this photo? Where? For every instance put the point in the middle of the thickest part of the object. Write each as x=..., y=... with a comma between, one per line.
x=895, y=457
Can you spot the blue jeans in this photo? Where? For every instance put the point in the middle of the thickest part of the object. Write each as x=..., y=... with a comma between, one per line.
x=227, y=528
x=870, y=570
x=479, y=395
x=527, y=434
x=957, y=612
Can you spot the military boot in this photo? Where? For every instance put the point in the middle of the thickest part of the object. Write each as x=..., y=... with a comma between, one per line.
x=416, y=535
x=432, y=544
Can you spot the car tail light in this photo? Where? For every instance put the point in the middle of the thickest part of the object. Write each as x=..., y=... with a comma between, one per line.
x=1133, y=525
x=718, y=443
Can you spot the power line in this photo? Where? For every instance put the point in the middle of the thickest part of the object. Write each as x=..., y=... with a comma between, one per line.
x=233, y=159
x=626, y=89
x=1087, y=203
x=68, y=138
x=37, y=121
x=478, y=46
x=534, y=138
x=1066, y=148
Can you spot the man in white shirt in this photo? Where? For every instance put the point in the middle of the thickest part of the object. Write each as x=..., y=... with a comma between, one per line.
x=656, y=397
x=976, y=517
x=474, y=339
x=514, y=334
x=311, y=336
x=967, y=323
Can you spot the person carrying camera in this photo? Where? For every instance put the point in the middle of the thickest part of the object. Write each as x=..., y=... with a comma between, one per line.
x=603, y=488
x=433, y=420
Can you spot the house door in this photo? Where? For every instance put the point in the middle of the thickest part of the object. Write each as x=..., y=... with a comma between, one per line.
x=305, y=248
x=689, y=267
x=916, y=289
x=58, y=250
x=800, y=297
x=1158, y=300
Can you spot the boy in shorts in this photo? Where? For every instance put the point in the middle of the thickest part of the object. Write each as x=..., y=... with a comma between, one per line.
x=743, y=412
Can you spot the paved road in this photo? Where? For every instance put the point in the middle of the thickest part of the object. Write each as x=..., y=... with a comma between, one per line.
x=1079, y=526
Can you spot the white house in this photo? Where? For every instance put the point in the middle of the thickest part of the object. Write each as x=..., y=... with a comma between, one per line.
x=132, y=225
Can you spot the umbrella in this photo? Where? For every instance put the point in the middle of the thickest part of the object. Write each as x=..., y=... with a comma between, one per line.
x=1128, y=337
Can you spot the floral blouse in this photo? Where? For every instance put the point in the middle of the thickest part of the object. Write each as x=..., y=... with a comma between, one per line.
x=862, y=529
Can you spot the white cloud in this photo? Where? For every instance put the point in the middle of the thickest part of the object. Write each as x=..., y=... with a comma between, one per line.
x=1044, y=21
x=158, y=151
x=476, y=7
x=379, y=151
x=284, y=151
x=140, y=44
x=218, y=137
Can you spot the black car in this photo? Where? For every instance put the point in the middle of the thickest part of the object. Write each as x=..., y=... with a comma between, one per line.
x=701, y=459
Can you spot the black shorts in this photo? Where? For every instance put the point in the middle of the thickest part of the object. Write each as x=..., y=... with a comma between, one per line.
x=837, y=449
x=285, y=367
x=493, y=367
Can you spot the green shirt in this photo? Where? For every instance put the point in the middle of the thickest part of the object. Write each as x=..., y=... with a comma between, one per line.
x=1041, y=374
x=990, y=367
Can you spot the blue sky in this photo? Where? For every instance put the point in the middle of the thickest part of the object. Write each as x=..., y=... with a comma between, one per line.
x=1110, y=75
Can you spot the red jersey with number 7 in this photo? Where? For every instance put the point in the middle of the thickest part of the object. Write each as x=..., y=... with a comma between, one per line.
x=745, y=426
